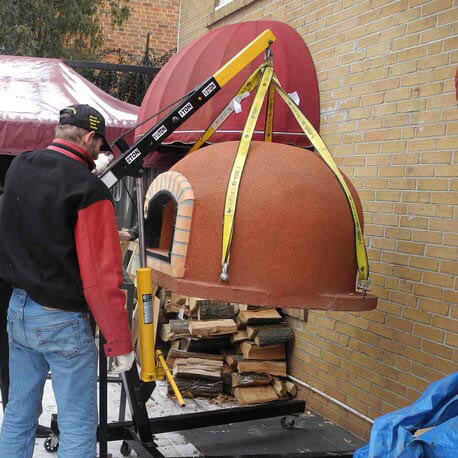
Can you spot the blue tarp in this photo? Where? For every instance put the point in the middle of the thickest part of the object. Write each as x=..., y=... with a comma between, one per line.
x=392, y=435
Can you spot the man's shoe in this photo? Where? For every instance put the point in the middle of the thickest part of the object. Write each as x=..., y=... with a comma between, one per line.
x=43, y=432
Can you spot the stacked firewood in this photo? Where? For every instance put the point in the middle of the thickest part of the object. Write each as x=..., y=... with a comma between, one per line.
x=235, y=349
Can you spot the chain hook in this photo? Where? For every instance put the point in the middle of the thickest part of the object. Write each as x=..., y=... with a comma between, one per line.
x=363, y=286
x=268, y=55
x=224, y=276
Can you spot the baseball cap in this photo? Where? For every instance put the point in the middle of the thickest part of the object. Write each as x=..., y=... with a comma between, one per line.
x=86, y=117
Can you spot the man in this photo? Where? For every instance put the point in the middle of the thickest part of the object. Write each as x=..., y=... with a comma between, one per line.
x=5, y=294
x=59, y=248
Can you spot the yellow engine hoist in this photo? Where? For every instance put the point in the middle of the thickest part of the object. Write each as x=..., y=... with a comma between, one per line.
x=138, y=434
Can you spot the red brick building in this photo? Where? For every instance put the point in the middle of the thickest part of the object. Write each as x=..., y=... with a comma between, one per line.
x=159, y=17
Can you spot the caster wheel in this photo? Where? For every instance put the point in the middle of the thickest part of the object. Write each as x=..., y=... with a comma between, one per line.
x=125, y=449
x=287, y=422
x=51, y=444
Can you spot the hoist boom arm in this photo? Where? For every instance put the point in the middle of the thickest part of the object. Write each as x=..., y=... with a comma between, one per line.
x=132, y=157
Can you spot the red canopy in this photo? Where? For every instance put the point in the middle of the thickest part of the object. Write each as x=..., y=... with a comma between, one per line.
x=204, y=56
x=34, y=90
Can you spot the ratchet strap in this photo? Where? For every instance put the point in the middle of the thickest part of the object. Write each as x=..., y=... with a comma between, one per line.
x=322, y=150
x=237, y=168
x=249, y=85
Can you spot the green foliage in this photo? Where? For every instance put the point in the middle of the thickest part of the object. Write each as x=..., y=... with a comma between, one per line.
x=67, y=29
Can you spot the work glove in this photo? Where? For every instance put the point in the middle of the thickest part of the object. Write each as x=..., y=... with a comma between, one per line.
x=123, y=363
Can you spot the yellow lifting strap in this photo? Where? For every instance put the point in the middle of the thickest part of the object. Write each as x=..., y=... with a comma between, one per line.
x=237, y=168
x=249, y=85
x=322, y=149
x=269, y=115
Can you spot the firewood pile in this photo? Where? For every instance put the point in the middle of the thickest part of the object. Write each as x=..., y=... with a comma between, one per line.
x=235, y=349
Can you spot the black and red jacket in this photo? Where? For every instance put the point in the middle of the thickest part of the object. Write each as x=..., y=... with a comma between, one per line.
x=59, y=240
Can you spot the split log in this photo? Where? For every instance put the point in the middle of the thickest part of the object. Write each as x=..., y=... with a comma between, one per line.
x=226, y=376
x=164, y=333
x=179, y=328
x=206, y=345
x=250, y=379
x=239, y=336
x=268, y=337
x=232, y=360
x=291, y=388
x=197, y=367
x=255, y=394
x=212, y=328
x=212, y=310
x=193, y=303
x=262, y=316
x=197, y=387
x=253, y=329
x=176, y=353
x=280, y=387
x=263, y=367
x=178, y=299
x=252, y=351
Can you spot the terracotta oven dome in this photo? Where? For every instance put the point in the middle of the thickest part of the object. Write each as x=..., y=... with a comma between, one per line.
x=293, y=242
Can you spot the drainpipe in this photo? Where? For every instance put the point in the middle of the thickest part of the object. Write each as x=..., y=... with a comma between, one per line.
x=341, y=404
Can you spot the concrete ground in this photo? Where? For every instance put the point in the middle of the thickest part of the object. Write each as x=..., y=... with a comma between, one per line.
x=311, y=433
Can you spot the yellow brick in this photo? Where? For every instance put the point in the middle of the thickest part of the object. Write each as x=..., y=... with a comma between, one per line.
x=451, y=296
x=398, y=120
x=422, y=145
x=422, y=209
x=446, y=367
x=420, y=171
x=438, y=60
x=412, y=381
x=448, y=198
x=411, y=248
x=423, y=263
x=452, y=340
x=428, y=291
x=451, y=239
x=448, y=143
x=393, y=171
x=449, y=267
x=447, y=170
x=432, y=184
x=402, y=234
x=411, y=106
x=421, y=24
x=442, y=252
x=436, y=6
x=399, y=323
x=414, y=222
x=446, y=324
x=437, y=349
x=440, y=101
x=395, y=258
x=425, y=372
x=406, y=42
x=408, y=339
x=436, y=33
x=411, y=53
x=418, y=197
x=407, y=273
x=441, y=74
x=391, y=196
x=406, y=158
x=437, y=307
x=431, y=130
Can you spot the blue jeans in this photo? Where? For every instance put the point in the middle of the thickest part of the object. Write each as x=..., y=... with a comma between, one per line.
x=40, y=340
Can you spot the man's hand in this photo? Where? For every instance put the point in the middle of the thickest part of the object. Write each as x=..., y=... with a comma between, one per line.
x=123, y=363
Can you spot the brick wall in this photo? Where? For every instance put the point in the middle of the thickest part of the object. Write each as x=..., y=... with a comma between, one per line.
x=160, y=17
x=389, y=116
